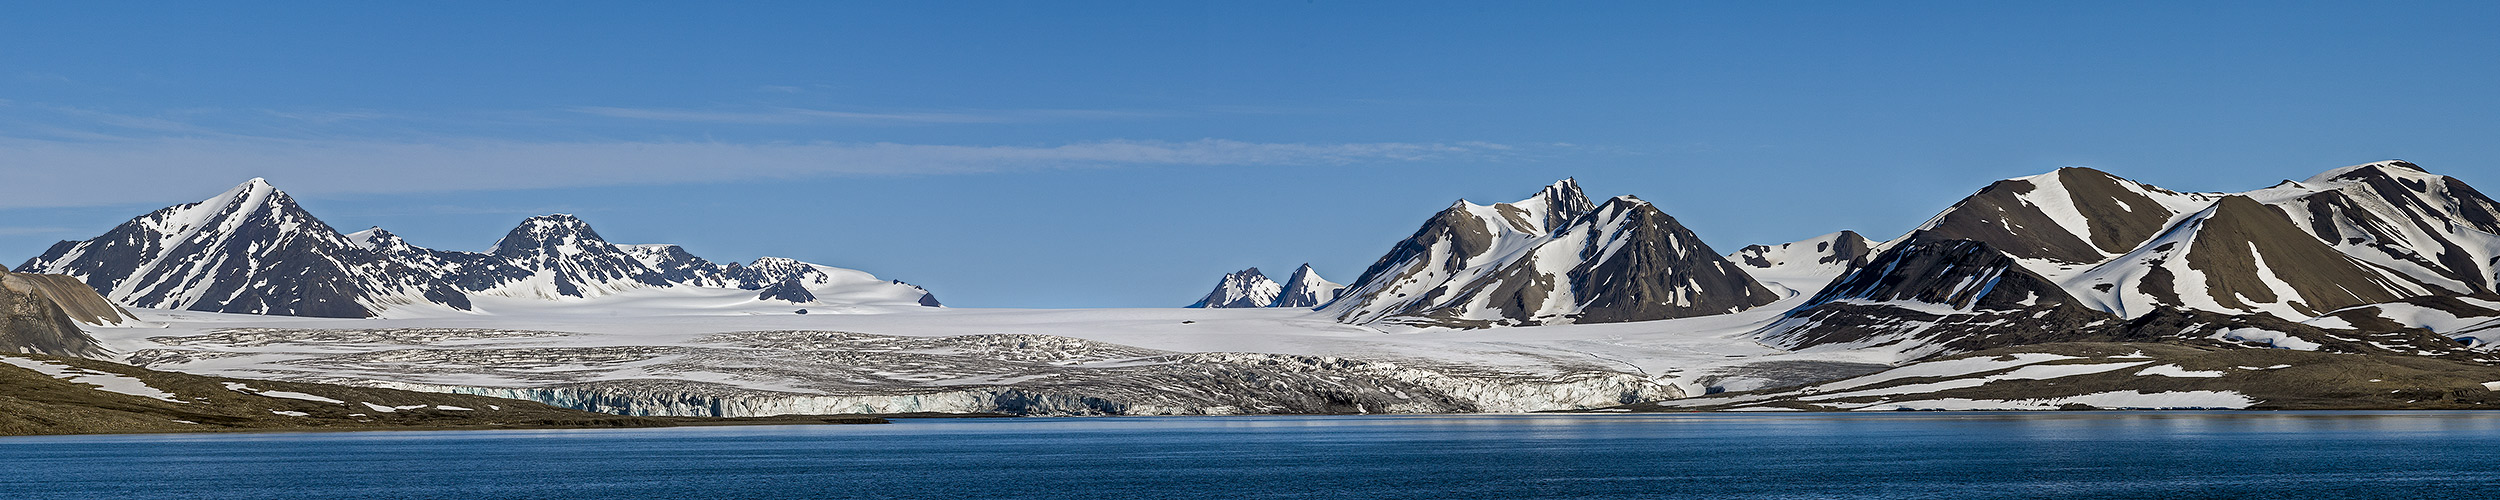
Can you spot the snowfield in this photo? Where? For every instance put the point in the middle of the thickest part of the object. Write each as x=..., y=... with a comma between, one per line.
x=706, y=352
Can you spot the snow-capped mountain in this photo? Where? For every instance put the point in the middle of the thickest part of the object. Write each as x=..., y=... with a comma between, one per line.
x=2433, y=228
x=1550, y=259
x=1244, y=288
x=253, y=250
x=1306, y=289
x=1250, y=288
x=250, y=249
x=2021, y=257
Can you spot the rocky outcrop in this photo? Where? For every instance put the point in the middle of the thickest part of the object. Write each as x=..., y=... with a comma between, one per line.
x=41, y=314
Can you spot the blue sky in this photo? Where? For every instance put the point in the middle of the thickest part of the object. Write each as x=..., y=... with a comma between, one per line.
x=1055, y=154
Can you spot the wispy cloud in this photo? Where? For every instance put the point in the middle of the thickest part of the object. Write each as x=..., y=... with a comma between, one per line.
x=58, y=156
x=45, y=172
x=17, y=231
x=794, y=116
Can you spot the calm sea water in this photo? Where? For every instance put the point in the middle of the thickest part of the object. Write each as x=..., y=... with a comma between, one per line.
x=1918, y=455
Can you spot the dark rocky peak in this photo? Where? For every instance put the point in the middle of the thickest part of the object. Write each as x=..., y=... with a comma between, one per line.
x=768, y=271
x=254, y=209
x=2390, y=169
x=1924, y=295
x=1465, y=234
x=2433, y=228
x=795, y=291
x=1929, y=268
x=1845, y=248
x=775, y=268
x=1552, y=208
x=2420, y=194
x=1639, y=264
x=2073, y=215
x=229, y=253
x=1848, y=248
x=548, y=234
x=578, y=262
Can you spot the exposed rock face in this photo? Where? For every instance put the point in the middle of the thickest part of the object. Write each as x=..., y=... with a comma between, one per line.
x=1842, y=249
x=1928, y=294
x=1804, y=266
x=253, y=250
x=2072, y=215
x=33, y=320
x=1960, y=274
x=1244, y=288
x=1550, y=259
x=2251, y=254
x=467, y=271
x=1646, y=267
x=2432, y=228
x=675, y=265
x=1306, y=289
x=79, y=302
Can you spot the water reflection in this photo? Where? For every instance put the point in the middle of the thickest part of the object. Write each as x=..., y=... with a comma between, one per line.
x=1884, y=455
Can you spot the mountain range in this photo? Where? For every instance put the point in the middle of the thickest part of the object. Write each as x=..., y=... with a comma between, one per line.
x=254, y=250
x=2072, y=288
x=2374, y=250
x=2072, y=254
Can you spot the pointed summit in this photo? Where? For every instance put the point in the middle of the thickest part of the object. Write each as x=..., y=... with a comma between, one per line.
x=546, y=233
x=249, y=250
x=1306, y=289
x=1244, y=288
x=568, y=259
x=1555, y=206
